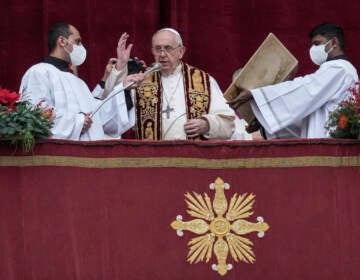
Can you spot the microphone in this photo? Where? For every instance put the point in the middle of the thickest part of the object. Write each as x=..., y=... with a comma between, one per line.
x=154, y=68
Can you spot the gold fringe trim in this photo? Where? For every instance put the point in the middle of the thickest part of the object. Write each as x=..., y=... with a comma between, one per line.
x=180, y=162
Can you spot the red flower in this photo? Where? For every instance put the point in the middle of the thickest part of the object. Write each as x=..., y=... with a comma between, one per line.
x=343, y=120
x=8, y=98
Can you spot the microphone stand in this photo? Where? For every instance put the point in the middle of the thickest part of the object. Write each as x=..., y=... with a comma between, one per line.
x=156, y=67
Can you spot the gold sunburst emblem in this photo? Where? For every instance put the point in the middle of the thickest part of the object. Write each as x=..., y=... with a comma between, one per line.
x=221, y=233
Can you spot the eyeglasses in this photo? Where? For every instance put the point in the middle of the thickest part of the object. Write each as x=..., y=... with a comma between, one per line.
x=166, y=49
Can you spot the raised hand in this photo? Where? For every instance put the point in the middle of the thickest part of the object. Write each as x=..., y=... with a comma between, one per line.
x=123, y=51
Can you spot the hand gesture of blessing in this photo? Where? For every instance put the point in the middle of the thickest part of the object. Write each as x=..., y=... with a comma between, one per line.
x=123, y=52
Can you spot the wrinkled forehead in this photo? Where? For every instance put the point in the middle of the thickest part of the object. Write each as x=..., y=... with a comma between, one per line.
x=164, y=38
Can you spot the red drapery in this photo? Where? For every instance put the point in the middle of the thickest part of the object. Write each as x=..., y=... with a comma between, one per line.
x=220, y=35
x=103, y=210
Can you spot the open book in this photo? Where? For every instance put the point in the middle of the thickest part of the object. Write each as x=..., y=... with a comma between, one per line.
x=272, y=63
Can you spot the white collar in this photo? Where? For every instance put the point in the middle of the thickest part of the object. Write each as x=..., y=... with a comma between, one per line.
x=176, y=72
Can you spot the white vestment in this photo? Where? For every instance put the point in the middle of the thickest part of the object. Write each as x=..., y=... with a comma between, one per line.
x=300, y=108
x=70, y=98
x=240, y=130
x=115, y=78
x=173, y=95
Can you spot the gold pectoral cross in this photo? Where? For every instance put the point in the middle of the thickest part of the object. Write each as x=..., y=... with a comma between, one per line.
x=167, y=111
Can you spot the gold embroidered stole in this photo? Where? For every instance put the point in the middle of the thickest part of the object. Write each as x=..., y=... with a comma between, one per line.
x=148, y=101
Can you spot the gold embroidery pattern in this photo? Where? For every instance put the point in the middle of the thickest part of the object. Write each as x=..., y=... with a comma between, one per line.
x=197, y=81
x=181, y=162
x=147, y=99
x=198, y=92
x=221, y=234
x=149, y=130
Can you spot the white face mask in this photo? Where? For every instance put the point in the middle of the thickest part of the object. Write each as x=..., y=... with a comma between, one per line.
x=78, y=54
x=318, y=54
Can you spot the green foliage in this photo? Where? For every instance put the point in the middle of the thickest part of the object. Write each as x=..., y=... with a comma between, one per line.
x=344, y=121
x=348, y=130
x=25, y=123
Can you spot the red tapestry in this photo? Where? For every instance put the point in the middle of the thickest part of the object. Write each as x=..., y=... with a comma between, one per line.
x=82, y=210
x=220, y=36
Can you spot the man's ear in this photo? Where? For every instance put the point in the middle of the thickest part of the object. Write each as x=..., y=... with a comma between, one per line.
x=182, y=52
x=335, y=43
x=62, y=41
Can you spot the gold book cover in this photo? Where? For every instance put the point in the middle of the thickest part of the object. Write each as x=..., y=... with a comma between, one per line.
x=272, y=63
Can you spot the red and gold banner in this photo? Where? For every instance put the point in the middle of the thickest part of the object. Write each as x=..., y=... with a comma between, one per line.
x=104, y=210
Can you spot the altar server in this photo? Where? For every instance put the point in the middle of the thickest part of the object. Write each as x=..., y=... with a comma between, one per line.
x=300, y=108
x=52, y=84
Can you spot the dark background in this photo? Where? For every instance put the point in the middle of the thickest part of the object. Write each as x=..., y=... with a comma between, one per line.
x=220, y=36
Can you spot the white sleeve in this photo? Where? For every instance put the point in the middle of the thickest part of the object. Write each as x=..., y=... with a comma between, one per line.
x=115, y=78
x=278, y=106
x=221, y=116
x=97, y=91
x=115, y=116
x=38, y=85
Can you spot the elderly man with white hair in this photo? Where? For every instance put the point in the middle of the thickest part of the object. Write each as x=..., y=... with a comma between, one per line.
x=180, y=101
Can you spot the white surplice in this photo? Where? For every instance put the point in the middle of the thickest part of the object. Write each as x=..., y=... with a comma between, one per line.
x=240, y=130
x=70, y=98
x=115, y=78
x=174, y=96
x=300, y=108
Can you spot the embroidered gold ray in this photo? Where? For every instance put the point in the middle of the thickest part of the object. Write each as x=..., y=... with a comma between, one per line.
x=220, y=226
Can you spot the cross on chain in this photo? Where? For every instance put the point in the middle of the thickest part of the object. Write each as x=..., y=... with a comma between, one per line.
x=167, y=111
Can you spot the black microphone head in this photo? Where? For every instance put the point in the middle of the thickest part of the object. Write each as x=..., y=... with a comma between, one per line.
x=134, y=66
